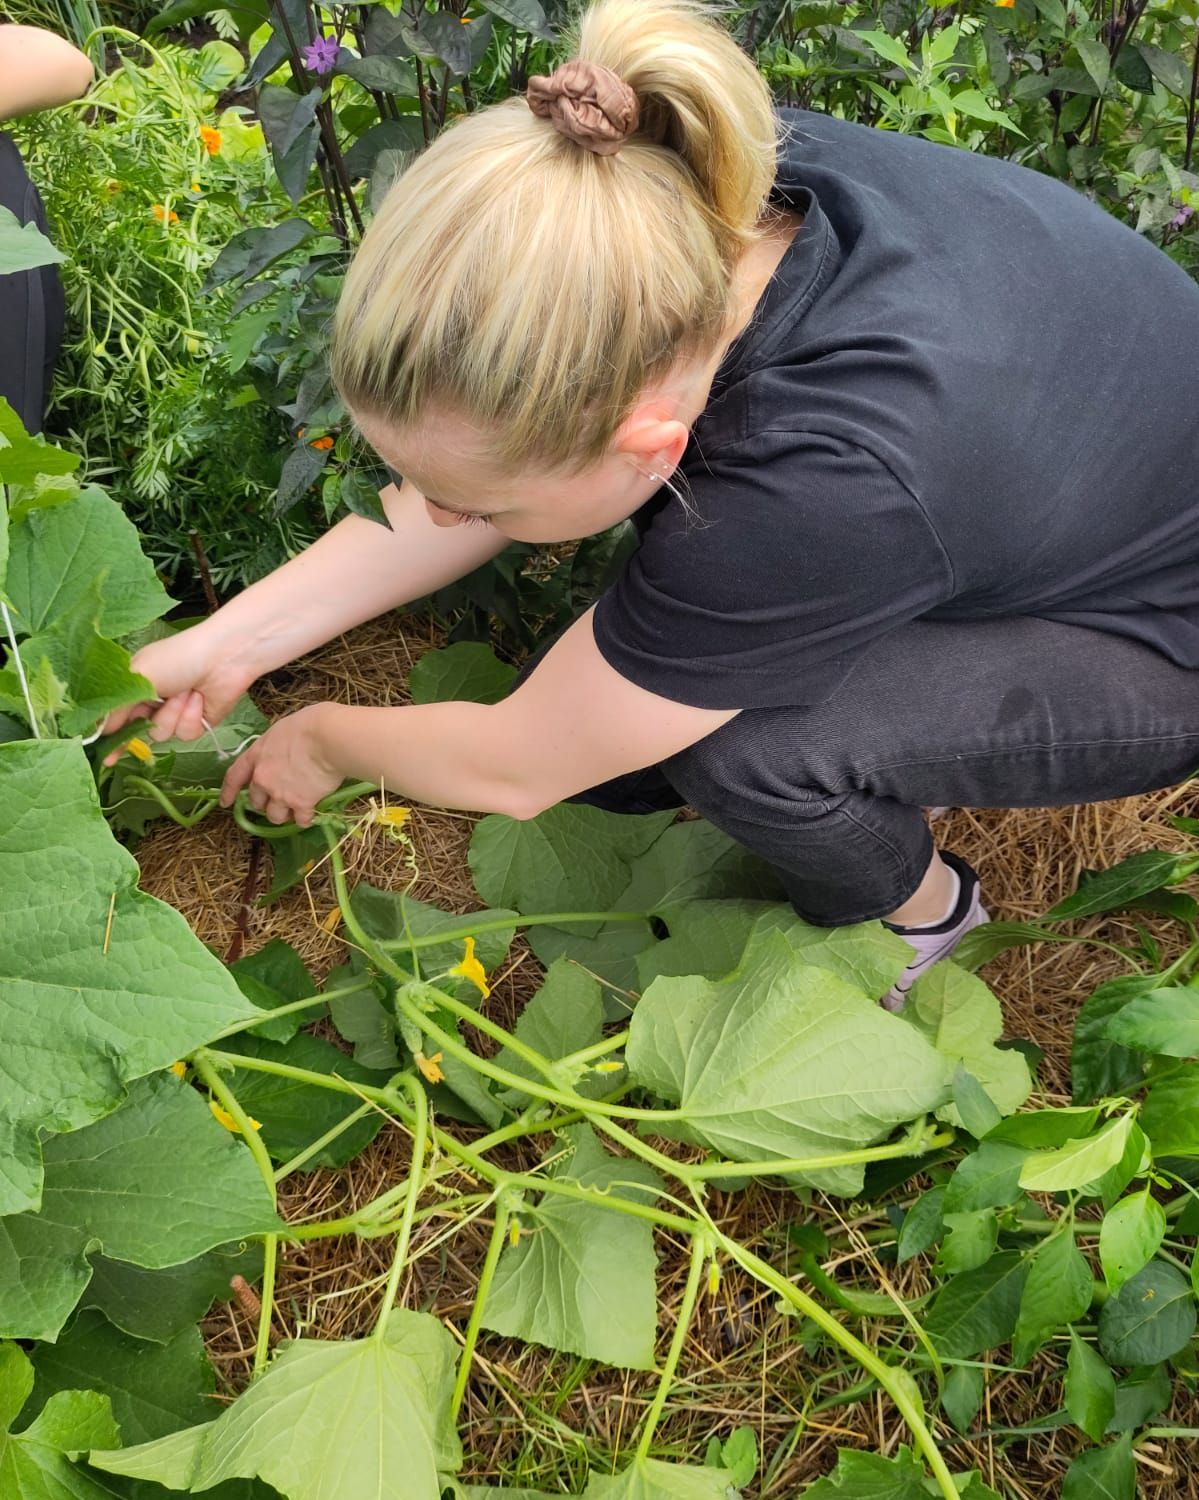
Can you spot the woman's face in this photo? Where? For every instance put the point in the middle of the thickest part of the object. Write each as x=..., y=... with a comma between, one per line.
x=446, y=463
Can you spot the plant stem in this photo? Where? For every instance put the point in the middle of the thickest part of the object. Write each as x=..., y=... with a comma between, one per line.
x=270, y=1244
x=420, y=1140
x=862, y=1353
x=498, y=924
x=309, y=1003
x=700, y=1250
x=916, y=1143
x=321, y=1142
x=499, y=1232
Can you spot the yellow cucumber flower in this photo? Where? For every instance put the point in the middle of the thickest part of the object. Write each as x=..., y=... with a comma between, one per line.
x=227, y=1120
x=470, y=968
x=430, y=1072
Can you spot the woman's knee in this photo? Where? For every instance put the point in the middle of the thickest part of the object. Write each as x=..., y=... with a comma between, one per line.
x=745, y=766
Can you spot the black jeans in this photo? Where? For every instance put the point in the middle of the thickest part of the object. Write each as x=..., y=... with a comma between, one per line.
x=1015, y=712
x=31, y=305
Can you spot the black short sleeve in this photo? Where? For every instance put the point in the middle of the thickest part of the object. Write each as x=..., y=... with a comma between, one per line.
x=801, y=549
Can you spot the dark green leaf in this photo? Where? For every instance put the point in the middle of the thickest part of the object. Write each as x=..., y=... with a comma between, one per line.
x=1113, y=889
x=993, y=938
x=1170, y=1115
x=1103, y=1474
x=1143, y=1393
x=1169, y=68
x=988, y=1178
x=1059, y=1290
x=975, y=1107
x=440, y=36
x=922, y=1225
x=962, y=1395
x=1090, y=1389
x=293, y=1115
x=1162, y=1021
x=403, y=134
x=1041, y=1129
x=869, y=1476
x=251, y=251
x=285, y=116
x=469, y=671
x=300, y=470
x=979, y=1309
x=35, y=1464
x=154, y=1388
x=970, y=1242
x=157, y=1305
x=380, y=73
x=1151, y=1317
x=361, y=498
x=526, y=15
x=1100, y=1067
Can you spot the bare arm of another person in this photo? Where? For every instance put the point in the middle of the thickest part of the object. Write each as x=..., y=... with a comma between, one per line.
x=356, y=571
x=38, y=70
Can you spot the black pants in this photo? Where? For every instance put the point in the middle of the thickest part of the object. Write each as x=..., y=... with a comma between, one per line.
x=1001, y=713
x=31, y=305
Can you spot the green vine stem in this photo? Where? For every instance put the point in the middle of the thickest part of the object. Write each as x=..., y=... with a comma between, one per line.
x=898, y=1389
x=330, y=1135
x=208, y=800
x=701, y=1250
x=270, y=1242
x=420, y=1141
x=500, y=924
x=495, y=1245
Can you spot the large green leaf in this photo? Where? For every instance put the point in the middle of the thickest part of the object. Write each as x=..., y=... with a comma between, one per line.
x=93, y=670
x=1149, y=1319
x=468, y=671
x=23, y=247
x=35, y=1464
x=328, y=1421
x=1163, y=1021
x=1058, y=1290
x=1090, y=1388
x=1099, y=1066
x=58, y=554
x=157, y=1305
x=1103, y=1474
x=294, y=1114
x=78, y=1022
x=979, y=1309
x=154, y=1388
x=564, y=1016
x=783, y=1060
x=961, y=1018
x=651, y=1479
x=1079, y=1162
x=1109, y=890
x=869, y=1476
x=1170, y=1114
x=24, y=458
x=581, y=1278
x=1130, y=1236
x=156, y=1183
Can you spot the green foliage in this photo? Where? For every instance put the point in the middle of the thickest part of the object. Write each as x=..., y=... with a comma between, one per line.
x=35, y=1463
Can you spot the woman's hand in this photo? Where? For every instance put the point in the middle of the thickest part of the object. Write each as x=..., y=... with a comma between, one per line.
x=194, y=679
x=288, y=770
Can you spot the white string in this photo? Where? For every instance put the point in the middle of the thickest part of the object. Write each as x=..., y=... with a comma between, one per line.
x=16, y=656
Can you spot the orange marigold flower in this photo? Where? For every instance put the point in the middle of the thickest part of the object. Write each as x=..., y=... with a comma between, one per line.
x=211, y=139
x=322, y=444
x=1005, y=4
x=164, y=215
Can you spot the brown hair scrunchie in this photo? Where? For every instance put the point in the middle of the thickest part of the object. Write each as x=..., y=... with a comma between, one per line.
x=588, y=102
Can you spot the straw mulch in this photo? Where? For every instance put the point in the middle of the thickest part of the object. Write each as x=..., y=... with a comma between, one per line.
x=535, y=1418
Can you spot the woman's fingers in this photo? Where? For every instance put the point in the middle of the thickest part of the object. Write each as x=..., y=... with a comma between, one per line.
x=237, y=776
x=166, y=720
x=278, y=812
x=190, y=725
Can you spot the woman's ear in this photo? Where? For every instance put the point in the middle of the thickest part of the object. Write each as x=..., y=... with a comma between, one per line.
x=654, y=443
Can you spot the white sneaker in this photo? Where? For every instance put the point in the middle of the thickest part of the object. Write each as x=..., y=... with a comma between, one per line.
x=935, y=943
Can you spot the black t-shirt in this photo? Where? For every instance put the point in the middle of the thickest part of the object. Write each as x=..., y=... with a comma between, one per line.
x=967, y=392
x=31, y=304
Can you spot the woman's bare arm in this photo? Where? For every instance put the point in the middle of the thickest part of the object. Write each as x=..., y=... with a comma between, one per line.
x=39, y=70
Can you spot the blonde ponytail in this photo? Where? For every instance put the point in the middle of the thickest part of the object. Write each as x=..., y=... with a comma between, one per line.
x=521, y=282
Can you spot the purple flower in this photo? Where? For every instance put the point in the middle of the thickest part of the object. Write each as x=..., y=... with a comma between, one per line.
x=321, y=55
x=1180, y=218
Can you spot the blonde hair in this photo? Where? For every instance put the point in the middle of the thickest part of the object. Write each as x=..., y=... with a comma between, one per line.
x=519, y=281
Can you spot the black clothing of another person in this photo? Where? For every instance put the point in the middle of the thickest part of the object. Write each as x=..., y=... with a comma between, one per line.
x=31, y=304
